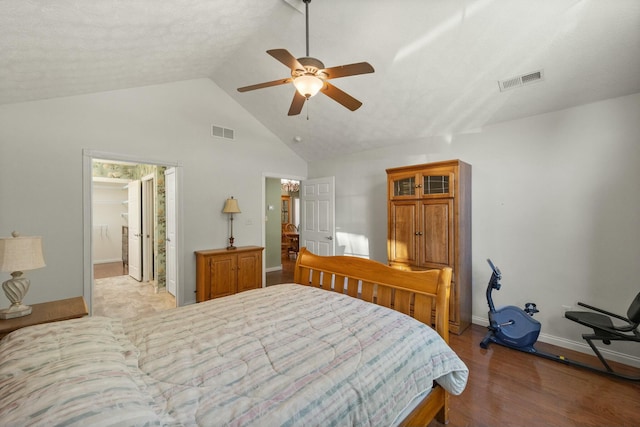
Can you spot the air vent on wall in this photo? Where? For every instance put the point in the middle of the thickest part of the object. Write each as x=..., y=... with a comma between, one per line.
x=220, y=132
x=521, y=80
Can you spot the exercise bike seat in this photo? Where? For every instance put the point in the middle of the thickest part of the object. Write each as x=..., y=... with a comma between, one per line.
x=596, y=321
x=608, y=327
x=602, y=324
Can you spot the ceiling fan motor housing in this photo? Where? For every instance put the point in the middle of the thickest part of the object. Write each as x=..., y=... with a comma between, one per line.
x=312, y=66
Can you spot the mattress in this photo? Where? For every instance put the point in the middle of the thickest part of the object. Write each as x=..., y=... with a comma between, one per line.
x=286, y=355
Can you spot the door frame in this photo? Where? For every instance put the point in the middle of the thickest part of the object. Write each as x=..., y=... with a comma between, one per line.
x=87, y=207
x=171, y=225
x=148, y=213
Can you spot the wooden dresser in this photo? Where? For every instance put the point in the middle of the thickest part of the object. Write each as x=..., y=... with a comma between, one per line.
x=222, y=272
x=429, y=226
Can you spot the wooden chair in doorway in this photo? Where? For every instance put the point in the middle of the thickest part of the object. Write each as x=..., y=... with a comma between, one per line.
x=290, y=239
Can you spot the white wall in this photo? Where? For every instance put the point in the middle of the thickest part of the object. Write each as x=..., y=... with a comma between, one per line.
x=556, y=205
x=41, y=179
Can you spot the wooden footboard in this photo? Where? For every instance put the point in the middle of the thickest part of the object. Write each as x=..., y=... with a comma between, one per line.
x=423, y=295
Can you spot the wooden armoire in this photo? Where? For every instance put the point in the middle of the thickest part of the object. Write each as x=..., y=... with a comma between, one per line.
x=429, y=226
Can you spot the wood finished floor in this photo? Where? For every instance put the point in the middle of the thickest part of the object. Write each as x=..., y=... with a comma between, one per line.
x=510, y=388
x=109, y=269
x=285, y=275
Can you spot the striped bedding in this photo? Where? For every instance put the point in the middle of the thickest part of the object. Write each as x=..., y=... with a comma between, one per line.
x=286, y=355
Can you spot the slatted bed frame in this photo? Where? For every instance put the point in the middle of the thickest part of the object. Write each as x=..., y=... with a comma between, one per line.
x=423, y=295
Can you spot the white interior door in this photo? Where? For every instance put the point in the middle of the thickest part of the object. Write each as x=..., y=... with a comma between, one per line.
x=317, y=221
x=170, y=209
x=135, y=232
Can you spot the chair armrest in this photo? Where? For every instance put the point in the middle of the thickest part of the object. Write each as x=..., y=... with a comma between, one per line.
x=599, y=310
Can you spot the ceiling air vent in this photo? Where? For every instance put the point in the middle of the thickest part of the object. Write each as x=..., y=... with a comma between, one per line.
x=220, y=132
x=522, y=80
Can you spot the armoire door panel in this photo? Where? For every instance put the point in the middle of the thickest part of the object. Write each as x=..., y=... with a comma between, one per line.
x=403, y=232
x=437, y=226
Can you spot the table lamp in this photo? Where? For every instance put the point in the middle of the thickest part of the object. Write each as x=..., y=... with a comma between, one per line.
x=231, y=207
x=18, y=254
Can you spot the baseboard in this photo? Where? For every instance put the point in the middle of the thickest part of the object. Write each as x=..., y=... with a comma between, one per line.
x=581, y=347
x=276, y=268
x=107, y=261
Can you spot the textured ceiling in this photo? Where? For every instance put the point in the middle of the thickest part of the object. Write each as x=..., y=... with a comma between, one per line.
x=437, y=62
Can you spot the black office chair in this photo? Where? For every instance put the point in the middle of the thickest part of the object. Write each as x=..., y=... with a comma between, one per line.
x=605, y=330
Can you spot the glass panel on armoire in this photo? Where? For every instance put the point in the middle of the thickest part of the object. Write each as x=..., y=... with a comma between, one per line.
x=435, y=184
x=404, y=187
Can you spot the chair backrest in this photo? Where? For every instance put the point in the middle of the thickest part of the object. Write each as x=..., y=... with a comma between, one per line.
x=633, y=313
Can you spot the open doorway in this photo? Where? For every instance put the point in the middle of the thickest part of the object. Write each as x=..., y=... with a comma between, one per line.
x=289, y=218
x=127, y=245
x=282, y=217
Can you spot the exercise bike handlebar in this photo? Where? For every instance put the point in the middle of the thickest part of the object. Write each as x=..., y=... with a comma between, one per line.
x=494, y=283
x=495, y=269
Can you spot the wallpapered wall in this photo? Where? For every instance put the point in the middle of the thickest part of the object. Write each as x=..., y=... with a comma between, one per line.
x=136, y=172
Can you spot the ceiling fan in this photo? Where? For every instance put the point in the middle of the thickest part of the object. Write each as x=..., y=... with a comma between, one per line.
x=309, y=76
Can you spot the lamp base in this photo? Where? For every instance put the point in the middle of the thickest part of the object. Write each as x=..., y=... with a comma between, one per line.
x=15, y=289
x=231, y=247
x=15, y=311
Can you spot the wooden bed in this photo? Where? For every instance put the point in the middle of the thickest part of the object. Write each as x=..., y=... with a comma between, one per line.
x=330, y=349
x=423, y=295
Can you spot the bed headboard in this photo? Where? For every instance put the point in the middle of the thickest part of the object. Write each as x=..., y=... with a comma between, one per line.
x=423, y=295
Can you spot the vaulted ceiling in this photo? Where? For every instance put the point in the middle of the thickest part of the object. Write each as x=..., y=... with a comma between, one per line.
x=437, y=62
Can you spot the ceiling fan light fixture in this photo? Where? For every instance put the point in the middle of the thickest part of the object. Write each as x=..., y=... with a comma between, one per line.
x=307, y=85
x=309, y=76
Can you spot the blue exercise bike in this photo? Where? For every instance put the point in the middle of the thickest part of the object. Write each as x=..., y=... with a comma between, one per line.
x=516, y=328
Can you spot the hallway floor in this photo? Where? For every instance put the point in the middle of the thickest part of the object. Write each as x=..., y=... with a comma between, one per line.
x=282, y=276
x=121, y=296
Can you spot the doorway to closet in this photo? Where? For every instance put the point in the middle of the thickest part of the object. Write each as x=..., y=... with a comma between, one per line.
x=130, y=261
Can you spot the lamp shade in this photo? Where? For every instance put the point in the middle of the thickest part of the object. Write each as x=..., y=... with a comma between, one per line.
x=231, y=206
x=20, y=253
x=308, y=86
